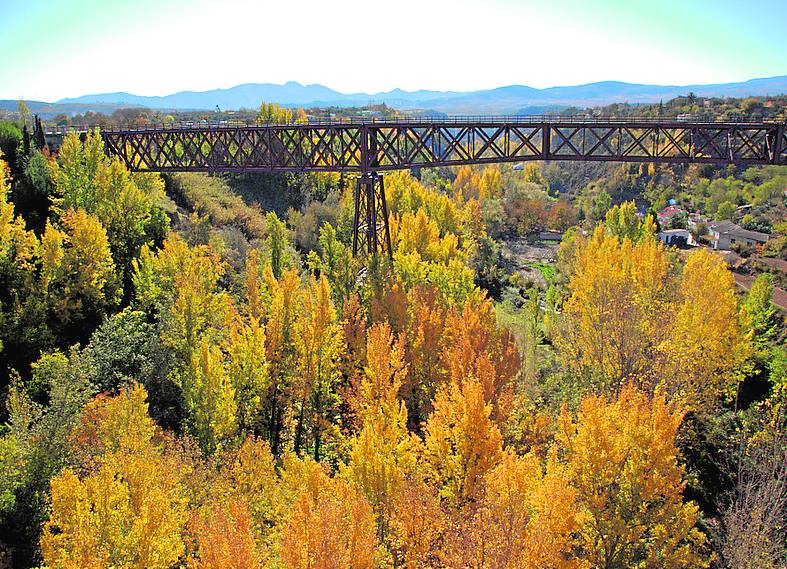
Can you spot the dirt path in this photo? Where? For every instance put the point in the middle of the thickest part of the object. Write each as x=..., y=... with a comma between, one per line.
x=779, y=295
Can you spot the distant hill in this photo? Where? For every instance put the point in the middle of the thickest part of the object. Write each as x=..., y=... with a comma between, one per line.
x=49, y=110
x=502, y=100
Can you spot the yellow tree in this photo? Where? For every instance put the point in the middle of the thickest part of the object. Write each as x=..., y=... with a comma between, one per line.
x=473, y=345
x=462, y=442
x=417, y=525
x=283, y=311
x=182, y=283
x=225, y=539
x=129, y=509
x=622, y=461
x=417, y=233
x=249, y=475
x=77, y=270
x=527, y=517
x=382, y=454
x=614, y=320
x=330, y=526
x=424, y=331
x=706, y=345
x=273, y=113
x=318, y=342
x=302, y=117
x=255, y=288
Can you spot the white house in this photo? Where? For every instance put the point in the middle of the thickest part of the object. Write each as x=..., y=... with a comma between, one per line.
x=724, y=234
x=677, y=237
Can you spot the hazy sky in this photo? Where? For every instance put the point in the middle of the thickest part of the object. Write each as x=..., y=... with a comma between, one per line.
x=51, y=49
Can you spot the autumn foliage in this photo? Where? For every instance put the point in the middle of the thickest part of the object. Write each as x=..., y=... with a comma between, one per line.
x=256, y=405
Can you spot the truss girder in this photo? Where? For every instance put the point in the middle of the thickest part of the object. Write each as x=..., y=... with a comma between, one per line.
x=371, y=147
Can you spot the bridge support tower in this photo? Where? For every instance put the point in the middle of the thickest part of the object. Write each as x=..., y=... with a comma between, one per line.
x=370, y=227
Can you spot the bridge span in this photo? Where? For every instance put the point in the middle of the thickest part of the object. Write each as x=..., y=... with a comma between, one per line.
x=369, y=148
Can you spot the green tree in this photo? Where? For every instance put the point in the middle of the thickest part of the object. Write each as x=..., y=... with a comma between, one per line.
x=208, y=397
x=42, y=414
x=10, y=141
x=120, y=351
x=277, y=243
x=85, y=177
x=336, y=262
x=725, y=211
x=622, y=221
x=596, y=205
x=760, y=313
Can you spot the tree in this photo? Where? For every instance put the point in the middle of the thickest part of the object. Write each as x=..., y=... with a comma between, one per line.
x=225, y=539
x=596, y=206
x=621, y=220
x=726, y=210
x=23, y=110
x=474, y=346
x=526, y=518
x=119, y=351
x=10, y=141
x=417, y=524
x=77, y=271
x=760, y=313
x=706, y=347
x=424, y=332
x=248, y=372
x=277, y=243
x=38, y=133
x=208, y=397
x=462, y=442
x=42, y=413
x=381, y=455
x=128, y=510
x=181, y=285
x=273, y=113
x=622, y=461
x=417, y=233
x=336, y=262
x=84, y=177
x=249, y=476
x=318, y=346
x=755, y=517
x=13, y=465
x=330, y=526
x=281, y=351
x=614, y=319
x=34, y=193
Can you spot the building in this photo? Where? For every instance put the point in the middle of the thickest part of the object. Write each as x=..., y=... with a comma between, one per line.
x=724, y=234
x=677, y=237
x=665, y=215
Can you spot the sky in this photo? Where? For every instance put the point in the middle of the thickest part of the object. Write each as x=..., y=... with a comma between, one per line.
x=51, y=49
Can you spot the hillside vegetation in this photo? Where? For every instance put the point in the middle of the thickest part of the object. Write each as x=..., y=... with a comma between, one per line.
x=197, y=373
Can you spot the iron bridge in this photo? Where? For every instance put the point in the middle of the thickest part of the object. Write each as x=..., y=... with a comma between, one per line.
x=369, y=148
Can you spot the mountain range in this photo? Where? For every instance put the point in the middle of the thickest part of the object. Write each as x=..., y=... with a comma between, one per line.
x=502, y=100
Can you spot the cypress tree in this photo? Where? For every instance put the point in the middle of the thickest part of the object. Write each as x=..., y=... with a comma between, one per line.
x=25, y=141
x=38, y=134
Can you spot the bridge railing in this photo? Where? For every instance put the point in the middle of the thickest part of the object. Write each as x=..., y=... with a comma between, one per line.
x=425, y=119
